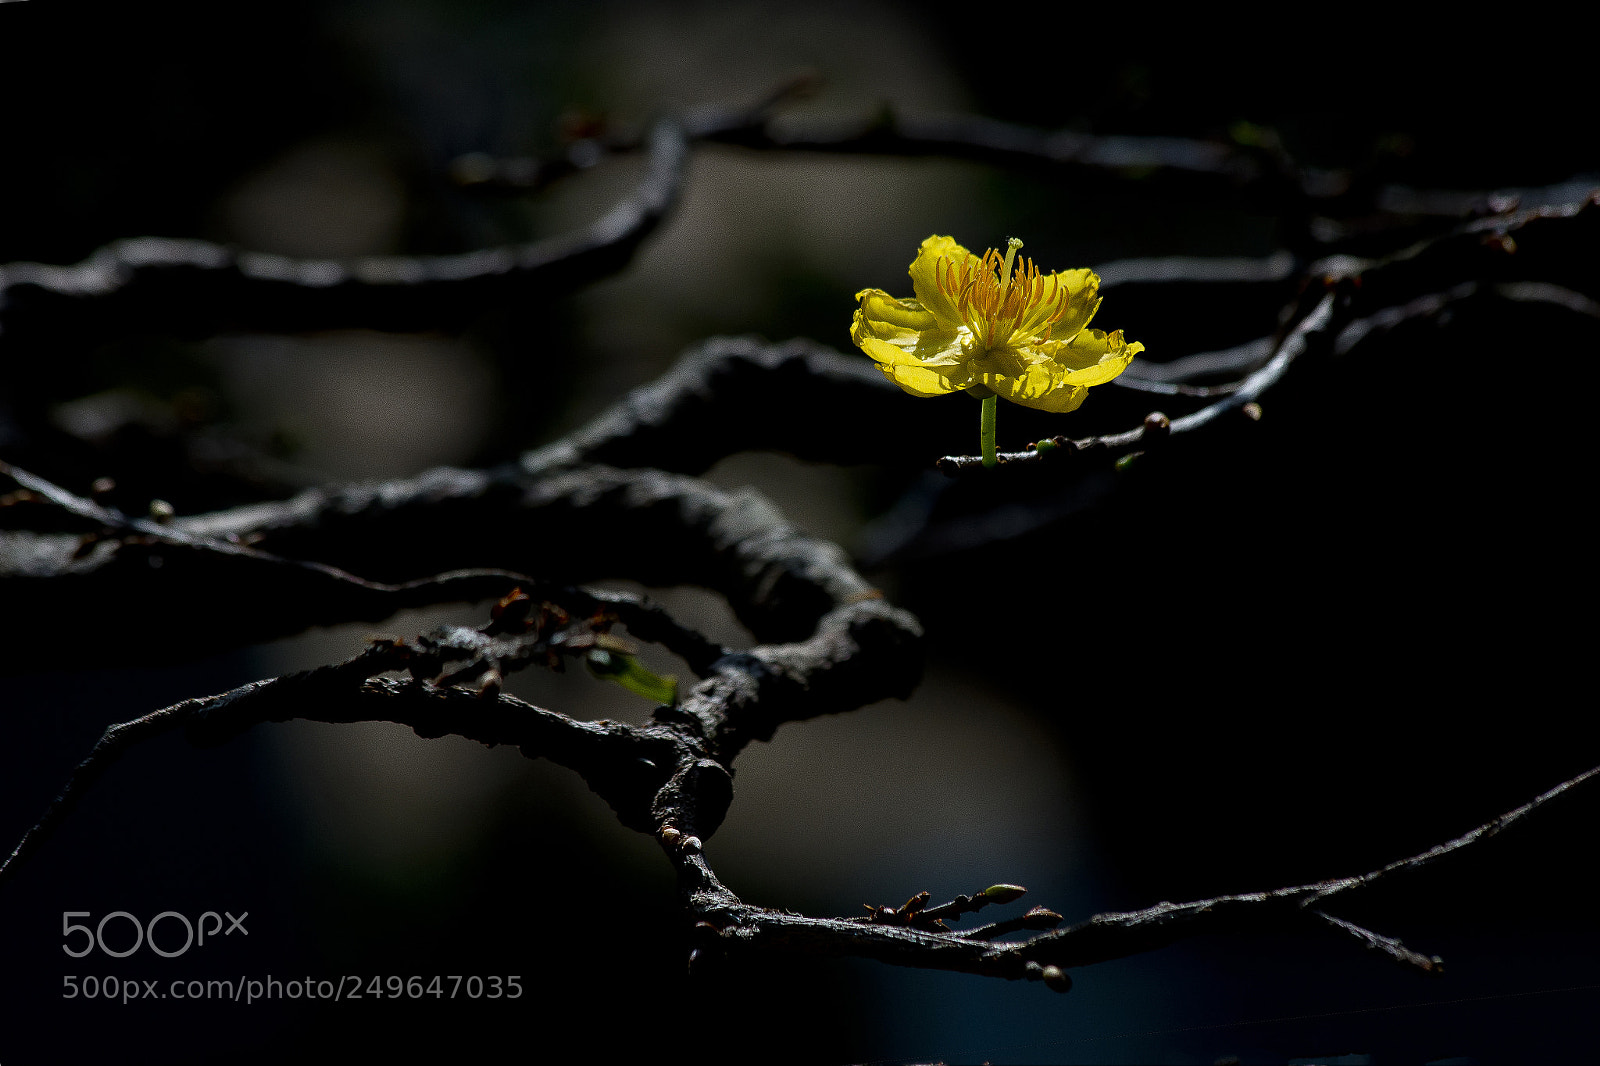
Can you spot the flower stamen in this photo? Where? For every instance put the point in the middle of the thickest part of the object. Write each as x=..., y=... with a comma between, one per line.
x=997, y=298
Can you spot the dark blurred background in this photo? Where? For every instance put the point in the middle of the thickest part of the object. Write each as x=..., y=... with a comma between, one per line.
x=1291, y=650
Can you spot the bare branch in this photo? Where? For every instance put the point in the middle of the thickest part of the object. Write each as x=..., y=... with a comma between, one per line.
x=717, y=398
x=351, y=692
x=849, y=647
x=195, y=288
x=1512, y=249
x=1098, y=939
x=1386, y=944
x=1178, y=167
x=572, y=526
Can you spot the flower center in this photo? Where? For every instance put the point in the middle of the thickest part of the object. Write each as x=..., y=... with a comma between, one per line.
x=997, y=304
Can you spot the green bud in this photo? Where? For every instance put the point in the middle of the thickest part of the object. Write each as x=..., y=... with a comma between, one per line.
x=1004, y=893
x=628, y=672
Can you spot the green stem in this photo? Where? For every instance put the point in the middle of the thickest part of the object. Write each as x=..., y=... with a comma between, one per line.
x=986, y=429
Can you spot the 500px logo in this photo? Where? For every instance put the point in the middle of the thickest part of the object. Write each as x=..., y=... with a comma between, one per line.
x=146, y=934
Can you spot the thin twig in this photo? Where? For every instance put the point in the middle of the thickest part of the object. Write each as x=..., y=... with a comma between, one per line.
x=1098, y=939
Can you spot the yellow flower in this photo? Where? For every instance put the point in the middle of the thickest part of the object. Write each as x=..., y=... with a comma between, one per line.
x=979, y=325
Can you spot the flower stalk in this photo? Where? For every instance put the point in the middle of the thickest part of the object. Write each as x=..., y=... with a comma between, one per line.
x=986, y=430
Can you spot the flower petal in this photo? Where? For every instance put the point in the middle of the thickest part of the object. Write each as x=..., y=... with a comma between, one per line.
x=1094, y=357
x=1058, y=401
x=920, y=381
x=1013, y=361
x=889, y=343
x=1014, y=375
x=1084, y=287
x=938, y=350
x=923, y=363
x=925, y=277
x=879, y=306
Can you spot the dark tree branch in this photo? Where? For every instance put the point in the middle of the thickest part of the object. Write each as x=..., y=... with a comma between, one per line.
x=723, y=385
x=1388, y=945
x=195, y=288
x=1177, y=167
x=1316, y=327
x=241, y=570
x=862, y=651
x=1541, y=247
x=350, y=692
x=718, y=398
x=1259, y=174
x=572, y=526
x=734, y=926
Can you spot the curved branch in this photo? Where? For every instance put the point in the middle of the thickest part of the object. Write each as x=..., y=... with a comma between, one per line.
x=196, y=288
x=732, y=925
x=861, y=650
x=1317, y=327
x=719, y=397
x=272, y=569
x=607, y=754
x=1551, y=247
x=1179, y=167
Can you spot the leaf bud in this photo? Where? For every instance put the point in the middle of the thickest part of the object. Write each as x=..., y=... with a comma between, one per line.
x=1004, y=893
x=1056, y=979
x=1041, y=918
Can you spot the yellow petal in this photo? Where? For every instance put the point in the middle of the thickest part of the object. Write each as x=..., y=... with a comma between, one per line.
x=889, y=343
x=1037, y=383
x=1009, y=362
x=1059, y=400
x=925, y=275
x=919, y=381
x=1094, y=357
x=914, y=375
x=923, y=363
x=1084, y=286
x=879, y=306
x=938, y=350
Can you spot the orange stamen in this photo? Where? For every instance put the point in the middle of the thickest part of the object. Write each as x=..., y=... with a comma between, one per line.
x=990, y=310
